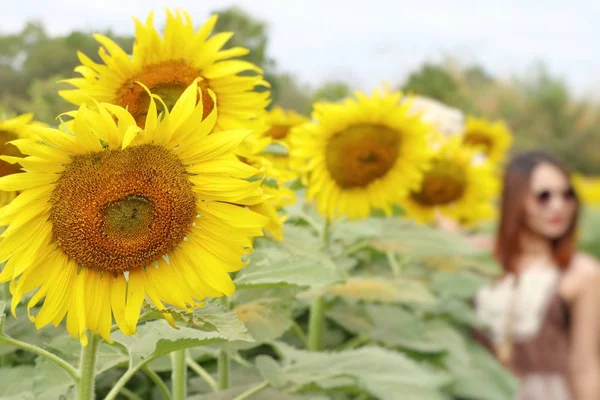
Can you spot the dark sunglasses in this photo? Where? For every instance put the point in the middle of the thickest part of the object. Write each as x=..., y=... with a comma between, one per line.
x=543, y=197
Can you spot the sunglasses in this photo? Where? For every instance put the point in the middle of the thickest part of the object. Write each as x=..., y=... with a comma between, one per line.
x=544, y=197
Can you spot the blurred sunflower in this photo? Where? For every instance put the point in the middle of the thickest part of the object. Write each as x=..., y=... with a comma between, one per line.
x=111, y=214
x=277, y=195
x=280, y=122
x=368, y=152
x=493, y=138
x=11, y=129
x=588, y=189
x=454, y=185
x=168, y=64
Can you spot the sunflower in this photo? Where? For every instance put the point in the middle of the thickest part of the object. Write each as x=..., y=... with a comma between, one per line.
x=111, y=214
x=277, y=195
x=168, y=64
x=367, y=152
x=281, y=121
x=588, y=188
x=455, y=185
x=12, y=129
x=493, y=138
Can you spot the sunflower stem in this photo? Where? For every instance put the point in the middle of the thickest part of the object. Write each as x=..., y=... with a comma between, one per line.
x=160, y=384
x=326, y=234
x=197, y=368
x=394, y=264
x=252, y=391
x=5, y=292
x=179, y=376
x=316, y=324
x=87, y=368
x=223, y=366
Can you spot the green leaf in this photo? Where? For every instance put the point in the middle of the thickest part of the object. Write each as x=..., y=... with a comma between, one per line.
x=16, y=382
x=483, y=378
x=211, y=324
x=271, y=371
x=385, y=374
x=460, y=284
x=390, y=325
x=266, y=312
x=303, y=271
x=375, y=289
x=410, y=239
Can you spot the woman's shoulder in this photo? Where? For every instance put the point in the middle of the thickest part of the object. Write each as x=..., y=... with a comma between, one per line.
x=583, y=272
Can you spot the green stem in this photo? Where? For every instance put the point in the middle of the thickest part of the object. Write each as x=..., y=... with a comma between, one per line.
x=316, y=324
x=300, y=333
x=114, y=392
x=394, y=265
x=252, y=391
x=87, y=368
x=162, y=386
x=223, y=366
x=130, y=394
x=355, y=342
x=6, y=292
x=179, y=375
x=68, y=368
x=194, y=366
x=326, y=233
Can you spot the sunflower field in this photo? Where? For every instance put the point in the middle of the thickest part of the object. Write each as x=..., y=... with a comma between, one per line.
x=176, y=236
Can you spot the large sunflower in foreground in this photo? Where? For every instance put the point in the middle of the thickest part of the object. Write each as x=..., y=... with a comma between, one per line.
x=364, y=153
x=12, y=129
x=492, y=138
x=455, y=185
x=111, y=214
x=167, y=64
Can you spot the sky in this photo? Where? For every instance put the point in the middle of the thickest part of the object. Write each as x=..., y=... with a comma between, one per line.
x=375, y=40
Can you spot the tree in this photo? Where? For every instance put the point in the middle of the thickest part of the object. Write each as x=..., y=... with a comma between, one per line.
x=332, y=92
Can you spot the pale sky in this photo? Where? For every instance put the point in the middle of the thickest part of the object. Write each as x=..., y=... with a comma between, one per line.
x=376, y=40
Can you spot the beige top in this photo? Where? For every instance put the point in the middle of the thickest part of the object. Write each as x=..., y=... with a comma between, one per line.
x=528, y=327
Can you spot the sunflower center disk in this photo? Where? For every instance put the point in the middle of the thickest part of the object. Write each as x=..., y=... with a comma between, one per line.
x=442, y=185
x=168, y=80
x=7, y=149
x=278, y=131
x=478, y=139
x=119, y=210
x=361, y=154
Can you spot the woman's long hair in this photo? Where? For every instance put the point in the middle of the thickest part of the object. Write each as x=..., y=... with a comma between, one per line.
x=515, y=189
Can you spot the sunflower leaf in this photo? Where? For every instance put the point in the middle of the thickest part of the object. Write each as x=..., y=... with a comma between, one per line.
x=211, y=324
x=383, y=373
x=266, y=312
x=298, y=270
x=13, y=384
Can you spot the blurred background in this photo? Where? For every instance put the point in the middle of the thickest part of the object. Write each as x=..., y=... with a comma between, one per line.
x=532, y=64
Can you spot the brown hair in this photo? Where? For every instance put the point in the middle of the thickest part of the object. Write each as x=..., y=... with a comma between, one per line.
x=512, y=215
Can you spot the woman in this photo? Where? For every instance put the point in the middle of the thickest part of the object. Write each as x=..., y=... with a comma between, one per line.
x=542, y=315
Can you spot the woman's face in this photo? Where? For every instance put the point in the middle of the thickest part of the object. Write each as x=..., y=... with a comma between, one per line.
x=550, y=205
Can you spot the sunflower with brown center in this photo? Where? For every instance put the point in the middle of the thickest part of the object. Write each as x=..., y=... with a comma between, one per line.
x=491, y=138
x=12, y=129
x=368, y=152
x=111, y=215
x=166, y=65
x=454, y=184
